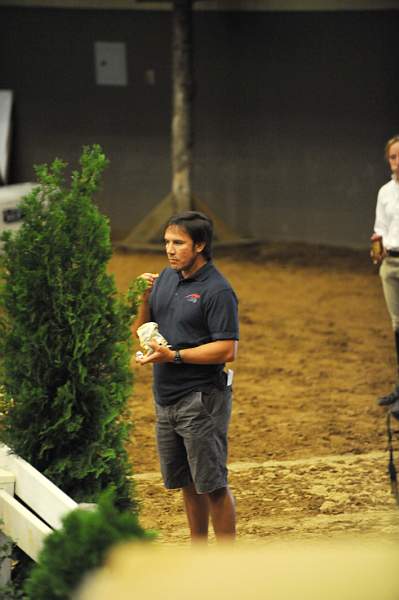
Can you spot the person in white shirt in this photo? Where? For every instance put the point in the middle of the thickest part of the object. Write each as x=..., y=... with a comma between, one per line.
x=385, y=240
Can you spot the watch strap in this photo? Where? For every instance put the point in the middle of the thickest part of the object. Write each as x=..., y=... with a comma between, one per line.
x=177, y=359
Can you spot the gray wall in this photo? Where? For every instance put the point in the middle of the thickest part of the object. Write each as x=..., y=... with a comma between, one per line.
x=291, y=113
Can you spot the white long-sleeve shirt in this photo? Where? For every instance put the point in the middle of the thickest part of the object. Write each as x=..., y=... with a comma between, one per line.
x=387, y=214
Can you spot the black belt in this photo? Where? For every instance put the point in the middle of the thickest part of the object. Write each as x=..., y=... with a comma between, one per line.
x=394, y=253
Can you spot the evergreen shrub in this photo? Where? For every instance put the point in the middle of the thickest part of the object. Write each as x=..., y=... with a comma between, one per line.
x=65, y=341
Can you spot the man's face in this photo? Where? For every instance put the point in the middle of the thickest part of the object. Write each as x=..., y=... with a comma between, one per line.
x=393, y=158
x=182, y=253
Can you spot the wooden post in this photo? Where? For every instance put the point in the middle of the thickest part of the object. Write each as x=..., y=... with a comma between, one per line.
x=147, y=234
x=182, y=104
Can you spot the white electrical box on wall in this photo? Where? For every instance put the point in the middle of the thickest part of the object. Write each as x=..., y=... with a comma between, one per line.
x=110, y=61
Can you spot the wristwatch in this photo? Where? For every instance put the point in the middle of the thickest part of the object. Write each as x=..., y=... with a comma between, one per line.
x=177, y=359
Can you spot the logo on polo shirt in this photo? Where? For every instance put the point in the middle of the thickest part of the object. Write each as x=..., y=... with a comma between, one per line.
x=193, y=297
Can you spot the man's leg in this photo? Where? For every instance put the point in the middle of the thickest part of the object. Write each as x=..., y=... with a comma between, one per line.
x=223, y=514
x=203, y=422
x=197, y=511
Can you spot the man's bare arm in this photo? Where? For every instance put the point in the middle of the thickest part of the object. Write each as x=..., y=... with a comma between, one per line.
x=143, y=313
x=212, y=353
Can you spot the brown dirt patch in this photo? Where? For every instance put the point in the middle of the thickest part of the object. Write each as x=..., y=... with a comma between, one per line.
x=316, y=350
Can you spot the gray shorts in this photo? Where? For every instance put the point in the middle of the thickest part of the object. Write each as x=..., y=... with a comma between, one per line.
x=192, y=440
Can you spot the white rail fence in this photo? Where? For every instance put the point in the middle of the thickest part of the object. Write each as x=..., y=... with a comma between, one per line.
x=31, y=506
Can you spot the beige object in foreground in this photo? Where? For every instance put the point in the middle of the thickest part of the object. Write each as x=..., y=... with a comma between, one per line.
x=148, y=332
x=350, y=569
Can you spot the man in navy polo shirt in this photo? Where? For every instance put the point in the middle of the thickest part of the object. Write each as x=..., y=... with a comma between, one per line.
x=196, y=311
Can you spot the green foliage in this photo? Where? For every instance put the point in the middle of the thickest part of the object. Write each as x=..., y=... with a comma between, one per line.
x=80, y=546
x=65, y=340
x=135, y=292
x=9, y=591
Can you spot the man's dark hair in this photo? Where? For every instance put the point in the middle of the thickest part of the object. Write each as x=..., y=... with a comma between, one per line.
x=198, y=226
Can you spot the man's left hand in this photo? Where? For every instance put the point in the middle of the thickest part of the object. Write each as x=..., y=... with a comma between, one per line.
x=161, y=354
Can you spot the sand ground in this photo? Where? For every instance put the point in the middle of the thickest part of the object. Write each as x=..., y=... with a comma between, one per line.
x=307, y=441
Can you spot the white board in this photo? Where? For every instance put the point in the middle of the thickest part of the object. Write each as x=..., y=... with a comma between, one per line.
x=5, y=133
x=40, y=494
x=22, y=526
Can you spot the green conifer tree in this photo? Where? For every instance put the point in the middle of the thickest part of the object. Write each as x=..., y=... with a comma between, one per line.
x=66, y=337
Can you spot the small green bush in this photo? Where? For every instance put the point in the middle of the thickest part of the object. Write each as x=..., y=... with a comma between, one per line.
x=65, y=343
x=80, y=546
x=9, y=591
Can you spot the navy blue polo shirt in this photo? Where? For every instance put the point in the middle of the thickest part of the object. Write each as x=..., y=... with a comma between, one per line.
x=190, y=312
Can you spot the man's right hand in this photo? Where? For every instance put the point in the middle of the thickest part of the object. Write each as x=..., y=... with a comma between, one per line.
x=150, y=279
